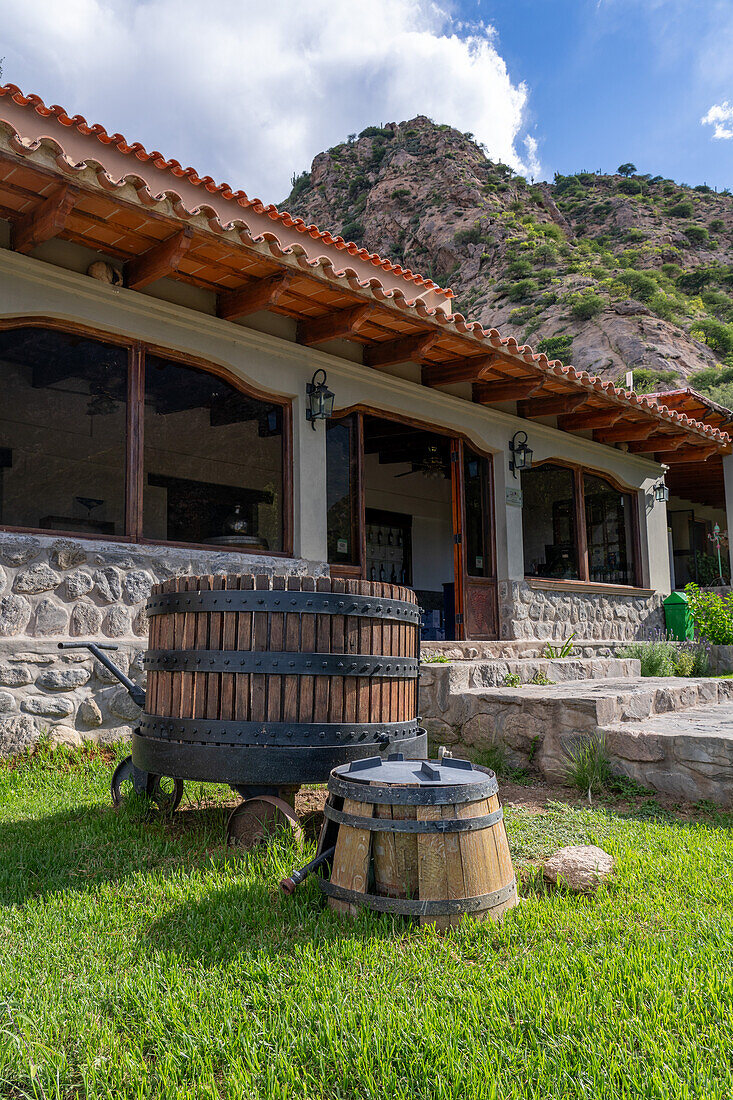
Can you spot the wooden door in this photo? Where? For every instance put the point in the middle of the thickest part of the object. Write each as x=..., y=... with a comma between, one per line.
x=474, y=555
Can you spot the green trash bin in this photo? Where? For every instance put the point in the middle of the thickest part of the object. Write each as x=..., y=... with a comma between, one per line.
x=678, y=618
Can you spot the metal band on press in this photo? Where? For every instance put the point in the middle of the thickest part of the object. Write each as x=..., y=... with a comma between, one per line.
x=284, y=602
x=275, y=734
x=388, y=825
x=280, y=663
x=410, y=907
x=414, y=796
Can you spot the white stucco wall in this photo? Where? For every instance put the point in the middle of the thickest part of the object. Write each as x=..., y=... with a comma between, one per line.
x=29, y=287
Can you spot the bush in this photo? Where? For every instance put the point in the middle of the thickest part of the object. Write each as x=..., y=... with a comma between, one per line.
x=683, y=209
x=663, y=306
x=588, y=767
x=715, y=334
x=630, y=187
x=545, y=254
x=519, y=292
x=557, y=347
x=641, y=286
x=706, y=567
x=352, y=231
x=717, y=225
x=300, y=184
x=587, y=306
x=657, y=657
x=697, y=234
x=712, y=615
x=468, y=236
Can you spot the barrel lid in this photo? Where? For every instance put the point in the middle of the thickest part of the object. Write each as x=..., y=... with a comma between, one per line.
x=449, y=772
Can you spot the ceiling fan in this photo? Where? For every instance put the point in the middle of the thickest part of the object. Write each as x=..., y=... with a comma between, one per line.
x=432, y=466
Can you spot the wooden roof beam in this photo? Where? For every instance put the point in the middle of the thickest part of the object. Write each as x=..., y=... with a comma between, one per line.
x=160, y=260
x=590, y=418
x=511, y=389
x=259, y=294
x=548, y=406
x=46, y=221
x=461, y=370
x=334, y=326
x=625, y=432
x=688, y=454
x=667, y=442
x=404, y=350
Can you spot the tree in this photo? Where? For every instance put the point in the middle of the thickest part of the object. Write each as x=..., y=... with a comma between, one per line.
x=627, y=169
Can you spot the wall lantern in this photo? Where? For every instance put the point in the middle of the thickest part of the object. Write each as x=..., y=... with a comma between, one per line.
x=521, y=454
x=661, y=492
x=320, y=399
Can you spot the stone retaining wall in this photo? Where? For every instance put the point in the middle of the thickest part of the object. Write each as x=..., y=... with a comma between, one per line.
x=54, y=589
x=544, y=613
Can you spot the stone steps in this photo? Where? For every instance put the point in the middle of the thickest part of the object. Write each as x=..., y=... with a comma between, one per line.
x=688, y=755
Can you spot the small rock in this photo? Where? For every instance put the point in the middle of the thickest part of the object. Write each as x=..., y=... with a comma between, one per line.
x=140, y=623
x=48, y=705
x=51, y=617
x=3, y=579
x=15, y=612
x=15, y=676
x=90, y=714
x=120, y=659
x=7, y=702
x=117, y=622
x=19, y=550
x=41, y=578
x=78, y=584
x=16, y=734
x=580, y=867
x=109, y=584
x=66, y=735
x=86, y=620
x=138, y=585
x=67, y=554
x=63, y=679
x=33, y=659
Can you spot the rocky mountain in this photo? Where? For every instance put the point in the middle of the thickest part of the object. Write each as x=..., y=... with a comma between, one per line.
x=609, y=272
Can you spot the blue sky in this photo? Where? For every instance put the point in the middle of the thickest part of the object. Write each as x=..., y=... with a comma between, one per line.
x=618, y=80
x=252, y=92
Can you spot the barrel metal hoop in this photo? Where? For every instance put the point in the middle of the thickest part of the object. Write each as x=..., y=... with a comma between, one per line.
x=281, y=663
x=414, y=796
x=414, y=907
x=283, y=602
x=275, y=734
x=387, y=825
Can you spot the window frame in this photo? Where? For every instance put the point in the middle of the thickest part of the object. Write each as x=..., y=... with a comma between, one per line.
x=135, y=442
x=581, y=535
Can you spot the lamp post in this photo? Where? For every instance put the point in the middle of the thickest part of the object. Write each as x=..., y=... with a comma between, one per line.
x=320, y=399
x=719, y=539
x=521, y=454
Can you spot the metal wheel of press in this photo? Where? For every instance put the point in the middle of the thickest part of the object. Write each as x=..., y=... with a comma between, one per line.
x=163, y=791
x=257, y=820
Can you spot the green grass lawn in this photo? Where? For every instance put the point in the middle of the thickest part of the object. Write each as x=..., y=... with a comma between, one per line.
x=142, y=959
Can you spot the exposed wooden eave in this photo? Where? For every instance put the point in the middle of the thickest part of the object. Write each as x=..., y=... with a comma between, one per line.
x=593, y=418
x=334, y=326
x=656, y=443
x=461, y=370
x=624, y=433
x=403, y=350
x=259, y=294
x=487, y=393
x=549, y=406
x=160, y=260
x=46, y=221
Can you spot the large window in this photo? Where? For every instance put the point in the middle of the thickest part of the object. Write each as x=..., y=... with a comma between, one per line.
x=577, y=526
x=341, y=491
x=102, y=439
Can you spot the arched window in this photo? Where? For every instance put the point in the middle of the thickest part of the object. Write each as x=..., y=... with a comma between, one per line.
x=578, y=525
x=103, y=439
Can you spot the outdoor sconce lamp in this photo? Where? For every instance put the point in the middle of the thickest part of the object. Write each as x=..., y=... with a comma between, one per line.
x=661, y=492
x=521, y=454
x=320, y=399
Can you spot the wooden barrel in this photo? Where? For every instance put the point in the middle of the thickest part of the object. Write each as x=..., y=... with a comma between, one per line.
x=260, y=680
x=429, y=835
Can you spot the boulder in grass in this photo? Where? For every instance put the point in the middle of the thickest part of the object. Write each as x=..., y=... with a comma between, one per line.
x=580, y=867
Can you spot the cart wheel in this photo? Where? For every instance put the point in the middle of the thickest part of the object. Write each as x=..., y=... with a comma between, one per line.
x=165, y=792
x=254, y=822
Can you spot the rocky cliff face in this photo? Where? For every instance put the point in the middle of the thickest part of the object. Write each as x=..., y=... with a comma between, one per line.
x=611, y=273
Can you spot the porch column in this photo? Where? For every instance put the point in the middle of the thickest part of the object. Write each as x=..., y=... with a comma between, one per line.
x=508, y=519
x=728, y=483
x=309, y=487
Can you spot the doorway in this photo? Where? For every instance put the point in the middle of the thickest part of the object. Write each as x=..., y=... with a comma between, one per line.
x=409, y=505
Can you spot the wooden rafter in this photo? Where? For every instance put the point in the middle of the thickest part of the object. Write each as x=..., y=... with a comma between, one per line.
x=486, y=393
x=461, y=370
x=160, y=260
x=47, y=220
x=686, y=454
x=259, y=294
x=406, y=349
x=592, y=418
x=667, y=442
x=625, y=432
x=548, y=406
x=342, y=323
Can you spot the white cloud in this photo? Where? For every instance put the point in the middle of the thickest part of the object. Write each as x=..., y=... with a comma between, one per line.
x=720, y=116
x=249, y=92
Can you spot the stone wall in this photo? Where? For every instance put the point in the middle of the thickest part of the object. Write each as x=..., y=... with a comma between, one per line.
x=545, y=613
x=53, y=590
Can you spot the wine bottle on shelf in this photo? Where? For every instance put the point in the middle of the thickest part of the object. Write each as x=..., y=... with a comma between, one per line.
x=382, y=574
x=399, y=536
x=390, y=538
x=379, y=536
x=372, y=574
x=393, y=578
x=403, y=575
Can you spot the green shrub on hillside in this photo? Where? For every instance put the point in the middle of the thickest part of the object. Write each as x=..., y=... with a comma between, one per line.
x=519, y=292
x=586, y=306
x=717, y=225
x=630, y=187
x=468, y=236
x=641, y=286
x=697, y=234
x=683, y=209
x=557, y=347
x=352, y=231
